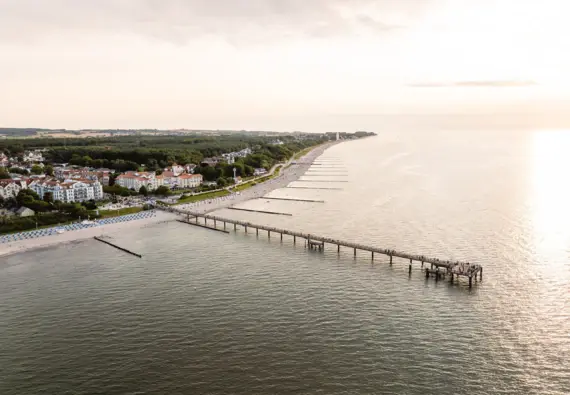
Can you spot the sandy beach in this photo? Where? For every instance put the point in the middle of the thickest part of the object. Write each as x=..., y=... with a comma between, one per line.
x=82, y=234
x=287, y=175
x=291, y=172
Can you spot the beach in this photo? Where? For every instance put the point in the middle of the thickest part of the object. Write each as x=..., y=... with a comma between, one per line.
x=81, y=234
x=290, y=171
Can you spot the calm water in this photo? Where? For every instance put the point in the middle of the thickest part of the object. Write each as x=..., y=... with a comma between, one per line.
x=205, y=312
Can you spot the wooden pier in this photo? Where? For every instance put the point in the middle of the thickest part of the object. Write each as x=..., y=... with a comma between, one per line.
x=117, y=247
x=439, y=268
x=188, y=222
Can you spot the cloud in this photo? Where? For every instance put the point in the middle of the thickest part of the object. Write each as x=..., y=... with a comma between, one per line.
x=184, y=20
x=474, y=84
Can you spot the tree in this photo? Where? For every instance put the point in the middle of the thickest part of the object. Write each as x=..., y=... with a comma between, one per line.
x=221, y=181
x=11, y=203
x=162, y=190
x=3, y=173
x=36, y=169
x=26, y=197
x=143, y=191
x=112, y=178
x=48, y=170
x=17, y=170
x=48, y=197
x=2, y=201
x=90, y=204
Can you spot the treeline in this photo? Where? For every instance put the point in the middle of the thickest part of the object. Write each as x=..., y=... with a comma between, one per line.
x=204, y=145
x=266, y=156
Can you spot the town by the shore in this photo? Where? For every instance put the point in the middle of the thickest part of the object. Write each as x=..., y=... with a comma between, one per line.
x=290, y=172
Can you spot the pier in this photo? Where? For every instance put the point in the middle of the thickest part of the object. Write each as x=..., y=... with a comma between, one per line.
x=116, y=246
x=188, y=222
x=439, y=268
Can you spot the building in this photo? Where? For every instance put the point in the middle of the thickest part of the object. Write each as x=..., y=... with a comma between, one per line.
x=230, y=158
x=25, y=212
x=190, y=168
x=135, y=180
x=190, y=180
x=176, y=169
x=33, y=156
x=72, y=173
x=209, y=162
x=10, y=188
x=169, y=179
x=4, y=161
x=258, y=172
x=69, y=191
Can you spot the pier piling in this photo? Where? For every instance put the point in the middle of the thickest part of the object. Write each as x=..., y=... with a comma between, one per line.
x=202, y=226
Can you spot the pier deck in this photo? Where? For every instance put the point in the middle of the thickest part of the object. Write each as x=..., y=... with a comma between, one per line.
x=443, y=268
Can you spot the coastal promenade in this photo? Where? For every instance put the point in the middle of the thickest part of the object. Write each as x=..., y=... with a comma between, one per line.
x=439, y=268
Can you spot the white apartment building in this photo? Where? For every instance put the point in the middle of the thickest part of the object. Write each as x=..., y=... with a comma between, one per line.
x=190, y=180
x=33, y=156
x=4, y=161
x=69, y=191
x=11, y=188
x=135, y=180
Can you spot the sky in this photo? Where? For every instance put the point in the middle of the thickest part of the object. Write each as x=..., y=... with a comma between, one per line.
x=311, y=65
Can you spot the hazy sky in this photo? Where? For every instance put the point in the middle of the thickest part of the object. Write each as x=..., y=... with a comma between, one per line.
x=276, y=64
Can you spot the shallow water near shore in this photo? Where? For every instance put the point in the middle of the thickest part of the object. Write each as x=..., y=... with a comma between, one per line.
x=207, y=312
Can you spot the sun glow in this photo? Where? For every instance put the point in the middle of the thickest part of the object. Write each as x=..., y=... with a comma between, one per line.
x=551, y=193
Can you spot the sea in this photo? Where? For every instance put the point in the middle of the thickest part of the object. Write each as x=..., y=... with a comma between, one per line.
x=205, y=312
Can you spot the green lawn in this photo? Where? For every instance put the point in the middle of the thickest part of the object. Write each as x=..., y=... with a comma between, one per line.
x=203, y=196
x=303, y=152
x=122, y=211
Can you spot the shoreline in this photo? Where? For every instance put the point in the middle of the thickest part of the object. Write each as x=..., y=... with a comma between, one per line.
x=289, y=173
x=70, y=237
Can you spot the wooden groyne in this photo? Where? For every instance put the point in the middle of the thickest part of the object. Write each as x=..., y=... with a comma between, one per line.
x=202, y=226
x=439, y=268
x=324, y=175
x=322, y=180
x=260, y=211
x=117, y=247
x=330, y=189
x=294, y=200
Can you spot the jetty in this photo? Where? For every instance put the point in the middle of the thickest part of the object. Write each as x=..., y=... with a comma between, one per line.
x=438, y=268
x=116, y=246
